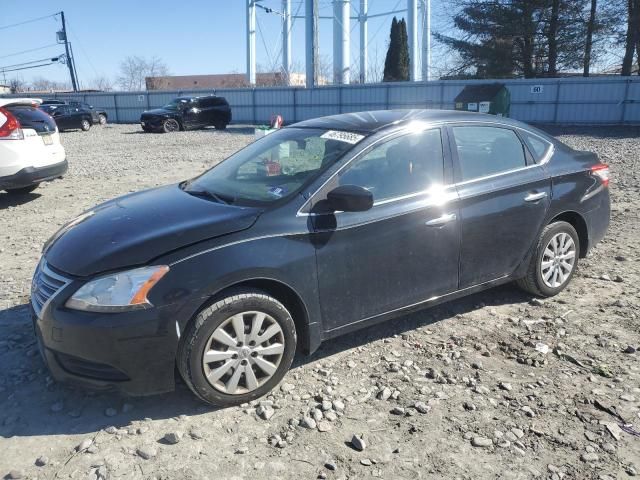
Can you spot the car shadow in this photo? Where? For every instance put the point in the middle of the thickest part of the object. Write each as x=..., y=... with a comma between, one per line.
x=16, y=199
x=31, y=403
x=239, y=129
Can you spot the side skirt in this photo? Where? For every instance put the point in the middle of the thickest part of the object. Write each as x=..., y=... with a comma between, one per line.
x=430, y=302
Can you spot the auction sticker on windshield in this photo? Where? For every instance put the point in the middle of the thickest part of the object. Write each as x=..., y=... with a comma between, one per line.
x=347, y=137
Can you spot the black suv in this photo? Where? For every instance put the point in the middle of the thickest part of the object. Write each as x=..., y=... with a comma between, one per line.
x=188, y=113
x=98, y=116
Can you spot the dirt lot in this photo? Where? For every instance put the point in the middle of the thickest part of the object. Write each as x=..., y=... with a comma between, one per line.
x=464, y=390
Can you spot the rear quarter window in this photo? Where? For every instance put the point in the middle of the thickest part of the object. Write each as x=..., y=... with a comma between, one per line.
x=33, y=118
x=536, y=145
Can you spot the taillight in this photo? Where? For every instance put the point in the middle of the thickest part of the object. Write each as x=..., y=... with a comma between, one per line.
x=9, y=126
x=602, y=172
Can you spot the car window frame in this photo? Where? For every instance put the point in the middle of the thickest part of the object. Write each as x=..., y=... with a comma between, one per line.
x=320, y=193
x=457, y=170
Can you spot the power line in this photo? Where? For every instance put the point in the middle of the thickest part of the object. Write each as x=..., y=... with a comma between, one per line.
x=28, y=51
x=28, y=21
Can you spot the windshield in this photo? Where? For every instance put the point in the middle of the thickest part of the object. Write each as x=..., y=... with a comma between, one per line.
x=176, y=104
x=273, y=168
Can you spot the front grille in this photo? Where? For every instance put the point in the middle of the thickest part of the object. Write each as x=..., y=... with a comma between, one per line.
x=85, y=368
x=45, y=285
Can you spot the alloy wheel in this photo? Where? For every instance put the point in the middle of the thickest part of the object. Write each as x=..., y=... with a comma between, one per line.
x=558, y=260
x=171, y=125
x=243, y=352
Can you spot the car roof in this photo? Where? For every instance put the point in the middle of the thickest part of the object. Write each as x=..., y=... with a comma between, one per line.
x=4, y=102
x=373, y=121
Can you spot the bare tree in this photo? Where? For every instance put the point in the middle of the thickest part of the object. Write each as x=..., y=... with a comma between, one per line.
x=135, y=69
x=17, y=85
x=102, y=83
x=45, y=85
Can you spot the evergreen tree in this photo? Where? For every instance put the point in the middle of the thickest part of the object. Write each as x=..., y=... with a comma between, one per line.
x=396, y=64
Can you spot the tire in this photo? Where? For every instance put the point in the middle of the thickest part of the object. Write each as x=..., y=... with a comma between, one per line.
x=147, y=129
x=213, y=382
x=220, y=126
x=102, y=119
x=85, y=125
x=23, y=190
x=541, y=279
x=170, y=125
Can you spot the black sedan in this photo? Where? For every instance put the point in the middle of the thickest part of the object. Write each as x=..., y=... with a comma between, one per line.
x=188, y=113
x=68, y=117
x=316, y=230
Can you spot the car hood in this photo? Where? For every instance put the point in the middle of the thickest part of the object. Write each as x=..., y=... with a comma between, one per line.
x=134, y=229
x=159, y=112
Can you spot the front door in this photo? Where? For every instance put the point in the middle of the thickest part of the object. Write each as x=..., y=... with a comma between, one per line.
x=405, y=249
x=504, y=197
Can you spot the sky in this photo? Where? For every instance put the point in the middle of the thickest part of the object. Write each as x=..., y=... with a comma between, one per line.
x=191, y=36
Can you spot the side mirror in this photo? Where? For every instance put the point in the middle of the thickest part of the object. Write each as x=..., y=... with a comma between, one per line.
x=350, y=198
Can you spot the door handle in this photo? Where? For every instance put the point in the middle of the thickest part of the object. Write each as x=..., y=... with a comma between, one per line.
x=534, y=197
x=440, y=221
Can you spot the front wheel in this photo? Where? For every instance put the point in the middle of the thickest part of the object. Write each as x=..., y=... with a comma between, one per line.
x=102, y=119
x=554, y=261
x=170, y=125
x=237, y=349
x=85, y=125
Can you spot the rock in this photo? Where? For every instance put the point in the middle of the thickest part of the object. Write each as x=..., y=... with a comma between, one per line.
x=111, y=430
x=505, y=386
x=330, y=465
x=421, y=407
x=331, y=416
x=84, y=445
x=287, y=387
x=631, y=471
x=147, y=452
x=42, y=461
x=628, y=398
x=196, y=434
x=110, y=412
x=172, y=438
x=338, y=405
x=589, y=457
x=397, y=411
x=324, y=426
x=517, y=432
x=241, y=450
x=630, y=349
x=326, y=405
x=308, y=422
x=614, y=430
x=14, y=475
x=384, y=394
x=322, y=476
x=528, y=411
x=609, y=447
x=481, y=442
x=358, y=443
x=366, y=462
x=265, y=413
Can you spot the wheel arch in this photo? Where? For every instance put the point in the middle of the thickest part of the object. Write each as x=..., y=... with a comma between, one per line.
x=578, y=222
x=279, y=290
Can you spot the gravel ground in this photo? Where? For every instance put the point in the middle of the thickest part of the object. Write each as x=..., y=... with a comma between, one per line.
x=496, y=385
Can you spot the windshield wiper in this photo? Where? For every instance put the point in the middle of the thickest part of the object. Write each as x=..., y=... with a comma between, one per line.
x=208, y=194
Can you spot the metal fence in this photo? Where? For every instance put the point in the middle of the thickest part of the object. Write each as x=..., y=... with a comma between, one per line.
x=610, y=100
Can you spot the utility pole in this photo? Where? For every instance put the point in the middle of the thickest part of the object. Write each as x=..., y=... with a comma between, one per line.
x=412, y=33
x=70, y=65
x=286, y=40
x=364, y=56
x=251, y=42
x=311, y=42
x=341, y=41
x=426, y=42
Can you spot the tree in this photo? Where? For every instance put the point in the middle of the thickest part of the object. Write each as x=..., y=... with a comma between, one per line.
x=17, y=85
x=135, y=70
x=396, y=65
x=45, y=85
x=102, y=83
x=632, y=36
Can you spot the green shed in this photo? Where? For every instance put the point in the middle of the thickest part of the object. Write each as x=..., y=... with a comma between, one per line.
x=493, y=98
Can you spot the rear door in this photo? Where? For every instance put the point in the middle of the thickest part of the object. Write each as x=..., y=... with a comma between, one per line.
x=401, y=252
x=504, y=197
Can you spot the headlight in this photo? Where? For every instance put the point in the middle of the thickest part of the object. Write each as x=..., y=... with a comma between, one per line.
x=119, y=291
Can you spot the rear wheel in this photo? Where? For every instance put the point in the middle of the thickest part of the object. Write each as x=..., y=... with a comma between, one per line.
x=23, y=190
x=237, y=349
x=85, y=125
x=554, y=261
x=170, y=125
x=220, y=126
x=102, y=118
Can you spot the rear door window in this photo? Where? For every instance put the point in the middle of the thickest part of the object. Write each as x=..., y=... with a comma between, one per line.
x=484, y=150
